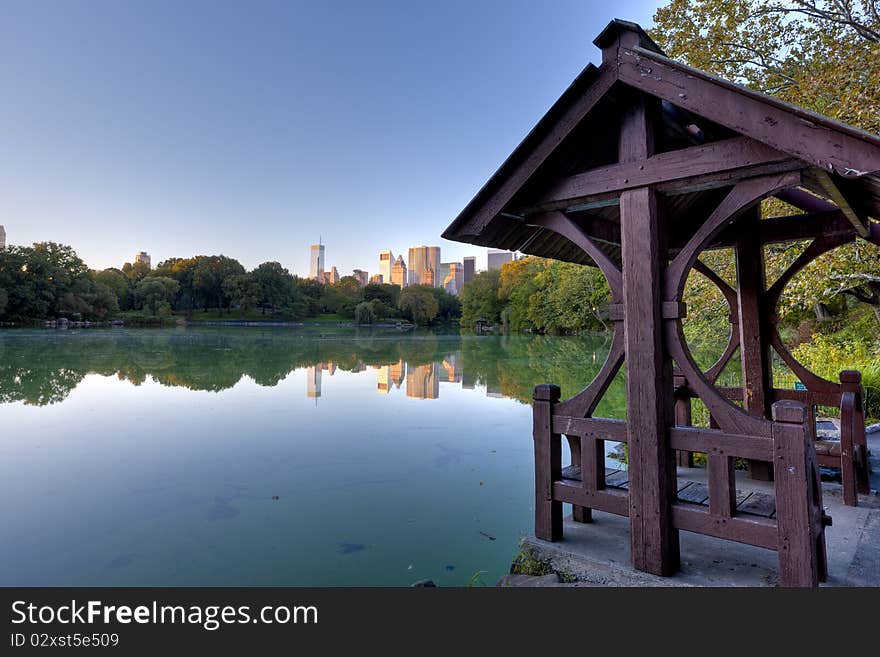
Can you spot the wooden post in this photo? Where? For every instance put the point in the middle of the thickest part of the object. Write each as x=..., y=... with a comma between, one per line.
x=798, y=519
x=578, y=513
x=652, y=489
x=753, y=336
x=683, y=418
x=548, y=464
x=851, y=381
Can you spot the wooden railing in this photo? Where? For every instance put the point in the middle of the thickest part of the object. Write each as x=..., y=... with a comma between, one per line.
x=848, y=396
x=795, y=530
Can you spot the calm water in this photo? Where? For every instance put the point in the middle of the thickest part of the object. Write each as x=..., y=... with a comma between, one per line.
x=256, y=456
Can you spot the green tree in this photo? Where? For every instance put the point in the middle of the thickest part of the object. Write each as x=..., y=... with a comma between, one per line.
x=418, y=304
x=243, y=290
x=153, y=291
x=364, y=313
x=117, y=282
x=275, y=287
x=480, y=299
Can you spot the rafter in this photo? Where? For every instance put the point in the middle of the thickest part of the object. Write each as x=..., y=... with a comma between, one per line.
x=824, y=180
x=675, y=171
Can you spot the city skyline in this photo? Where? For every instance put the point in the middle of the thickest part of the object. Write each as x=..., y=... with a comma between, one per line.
x=421, y=262
x=240, y=142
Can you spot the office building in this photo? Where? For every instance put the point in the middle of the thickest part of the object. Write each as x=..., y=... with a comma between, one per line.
x=142, y=258
x=422, y=258
x=362, y=276
x=2, y=238
x=497, y=258
x=428, y=278
x=386, y=261
x=470, y=269
x=442, y=273
x=378, y=279
x=316, y=263
x=398, y=273
x=331, y=277
x=454, y=280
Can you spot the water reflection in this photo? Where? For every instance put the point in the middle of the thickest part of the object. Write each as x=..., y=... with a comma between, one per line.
x=43, y=367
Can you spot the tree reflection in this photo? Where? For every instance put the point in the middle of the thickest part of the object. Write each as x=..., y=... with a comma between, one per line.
x=43, y=367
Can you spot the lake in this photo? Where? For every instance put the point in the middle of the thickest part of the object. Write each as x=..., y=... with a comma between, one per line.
x=312, y=456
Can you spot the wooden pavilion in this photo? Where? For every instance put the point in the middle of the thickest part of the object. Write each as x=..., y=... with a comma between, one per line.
x=639, y=167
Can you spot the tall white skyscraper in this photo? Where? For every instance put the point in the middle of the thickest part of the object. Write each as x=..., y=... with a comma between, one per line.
x=316, y=262
x=386, y=262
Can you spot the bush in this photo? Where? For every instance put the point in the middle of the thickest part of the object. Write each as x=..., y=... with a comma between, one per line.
x=364, y=313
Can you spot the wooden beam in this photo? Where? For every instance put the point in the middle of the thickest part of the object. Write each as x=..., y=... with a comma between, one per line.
x=654, y=543
x=805, y=135
x=833, y=191
x=753, y=330
x=687, y=164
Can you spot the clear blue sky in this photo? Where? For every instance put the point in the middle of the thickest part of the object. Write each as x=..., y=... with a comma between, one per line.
x=251, y=128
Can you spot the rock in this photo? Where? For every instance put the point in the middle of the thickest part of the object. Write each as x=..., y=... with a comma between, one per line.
x=424, y=583
x=539, y=581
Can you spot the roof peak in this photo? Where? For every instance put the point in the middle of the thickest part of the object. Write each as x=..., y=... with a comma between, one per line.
x=616, y=26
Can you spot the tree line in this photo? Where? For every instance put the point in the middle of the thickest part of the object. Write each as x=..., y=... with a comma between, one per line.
x=49, y=280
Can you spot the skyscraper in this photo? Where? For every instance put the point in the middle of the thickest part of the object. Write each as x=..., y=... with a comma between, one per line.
x=142, y=258
x=428, y=277
x=316, y=263
x=422, y=258
x=379, y=279
x=454, y=279
x=386, y=261
x=331, y=277
x=497, y=258
x=2, y=238
x=416, y=264
x=362, y=276
x=442, y=273
x=433, y=258
x=470, y=269
x=398, y=273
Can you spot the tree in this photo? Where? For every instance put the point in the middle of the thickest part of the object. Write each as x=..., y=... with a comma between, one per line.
x=154, y=291
x=364, y=314
x=49, y=279
x=117, y=282
x=480, y=299
x=275, y=286
x=208, y=277
x=448, y=305
x=243, y=290
x=519, y=282
x=135, y=272
x=418, y=304
x=386, y=293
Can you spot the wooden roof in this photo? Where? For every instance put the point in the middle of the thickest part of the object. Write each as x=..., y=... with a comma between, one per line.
x=712, y=133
